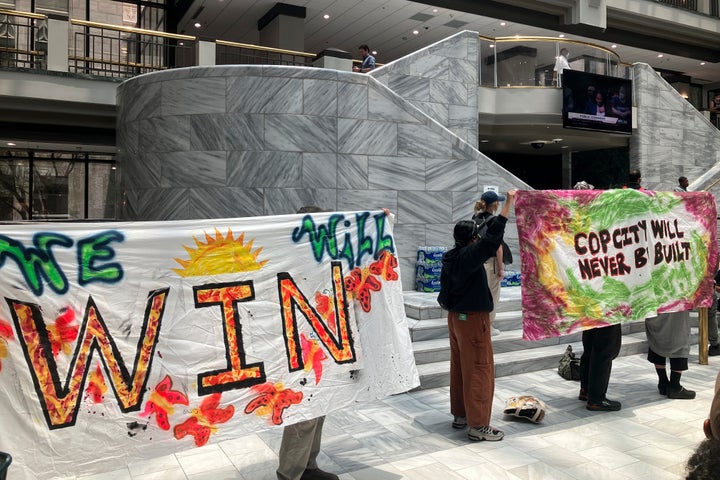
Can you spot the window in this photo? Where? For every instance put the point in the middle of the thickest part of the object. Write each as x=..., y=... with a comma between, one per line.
x=63, y=186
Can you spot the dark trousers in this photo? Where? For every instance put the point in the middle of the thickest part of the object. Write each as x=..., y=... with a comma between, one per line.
x=600, y=347
x=677, y=364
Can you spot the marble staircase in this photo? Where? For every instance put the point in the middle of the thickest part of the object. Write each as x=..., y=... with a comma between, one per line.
x=429, y=334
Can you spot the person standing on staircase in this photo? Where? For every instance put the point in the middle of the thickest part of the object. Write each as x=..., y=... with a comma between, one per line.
x=485, y=209
x=465, y=294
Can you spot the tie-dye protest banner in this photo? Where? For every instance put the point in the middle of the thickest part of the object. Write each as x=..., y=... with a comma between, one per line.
x=593, y=258
x=123, y=341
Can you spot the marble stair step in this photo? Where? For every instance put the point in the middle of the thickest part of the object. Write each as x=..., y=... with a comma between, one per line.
x=436, y=374
x=437, y=327
x=505, y=320
x=423, y=306
x=428, y=329
x=510, y=326
x=438, y=349
x=508, y=320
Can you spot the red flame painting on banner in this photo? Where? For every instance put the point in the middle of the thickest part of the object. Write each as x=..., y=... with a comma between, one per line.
x=204, y=420
x=273, y=400
x=161, y=402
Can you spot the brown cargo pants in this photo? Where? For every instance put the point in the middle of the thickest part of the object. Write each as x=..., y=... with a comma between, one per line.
x=472, y=369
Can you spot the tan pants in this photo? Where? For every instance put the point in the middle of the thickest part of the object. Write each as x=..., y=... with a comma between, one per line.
x=494, y=283
x=472, y=368
x=299, y=448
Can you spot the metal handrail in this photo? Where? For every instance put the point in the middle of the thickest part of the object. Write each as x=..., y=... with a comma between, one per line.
x=225, y=43
x=23, y=52
x=116, y=63
x=16, y=13
x=139, y=31
x=707, y=189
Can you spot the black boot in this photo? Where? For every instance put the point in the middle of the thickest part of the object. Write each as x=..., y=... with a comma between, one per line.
x=677, y=391
x=662, y=380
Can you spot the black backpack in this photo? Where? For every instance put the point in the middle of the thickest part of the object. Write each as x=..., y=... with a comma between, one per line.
x=482, y=228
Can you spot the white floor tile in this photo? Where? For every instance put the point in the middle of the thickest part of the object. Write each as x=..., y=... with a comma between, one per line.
x=226, y=473
x=607, y=457
x=121, y=474
x=159, y=464
x=176, y=473
x=201, y=462
x=408, y=436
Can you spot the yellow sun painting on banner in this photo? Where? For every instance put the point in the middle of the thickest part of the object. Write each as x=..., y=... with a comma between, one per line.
x=218, y=255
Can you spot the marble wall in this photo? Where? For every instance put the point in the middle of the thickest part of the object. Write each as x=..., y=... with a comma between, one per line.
x=672, y=138
x=442, y=81
x=228, y=141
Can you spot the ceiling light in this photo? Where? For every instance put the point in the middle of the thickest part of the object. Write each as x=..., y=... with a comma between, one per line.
x=198, y=25
x=492, y=45
x=10, y=144
x=502, y=24
x=374, y=52
x=702, y=63
x=181, y=43
x=562, y=35
x=484, y=140
x=613, y=46
x=565, y=146
x=660, y=55
x=415, y=32
x=435, y=10
x=113, y=167
x=326, y=16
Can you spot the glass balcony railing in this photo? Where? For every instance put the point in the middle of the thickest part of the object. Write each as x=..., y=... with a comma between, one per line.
x=119, y=51
x=508, y=62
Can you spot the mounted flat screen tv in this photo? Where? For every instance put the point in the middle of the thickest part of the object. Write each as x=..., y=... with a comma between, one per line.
x=596, y=102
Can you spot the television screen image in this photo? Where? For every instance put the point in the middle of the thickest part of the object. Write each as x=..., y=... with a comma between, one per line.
x=596, y=102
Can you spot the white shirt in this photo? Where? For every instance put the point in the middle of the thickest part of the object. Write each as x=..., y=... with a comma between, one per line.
x=561, y=64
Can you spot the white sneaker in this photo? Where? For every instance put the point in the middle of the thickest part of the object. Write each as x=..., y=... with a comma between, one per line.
x=485, y=433
x=494, y=331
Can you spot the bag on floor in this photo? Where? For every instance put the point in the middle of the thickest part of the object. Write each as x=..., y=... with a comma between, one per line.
x=527, y=407
x=569, y=366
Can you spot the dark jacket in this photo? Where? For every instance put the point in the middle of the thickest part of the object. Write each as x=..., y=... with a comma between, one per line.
x=463, y=274
x=482, y=220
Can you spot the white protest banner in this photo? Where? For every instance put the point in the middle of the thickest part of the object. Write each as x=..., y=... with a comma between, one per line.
x=123, y=341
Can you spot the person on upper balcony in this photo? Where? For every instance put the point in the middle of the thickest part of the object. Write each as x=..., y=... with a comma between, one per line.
x=368, y=62
x=561, y=63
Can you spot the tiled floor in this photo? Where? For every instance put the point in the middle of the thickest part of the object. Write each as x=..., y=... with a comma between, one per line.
x=409, y=436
